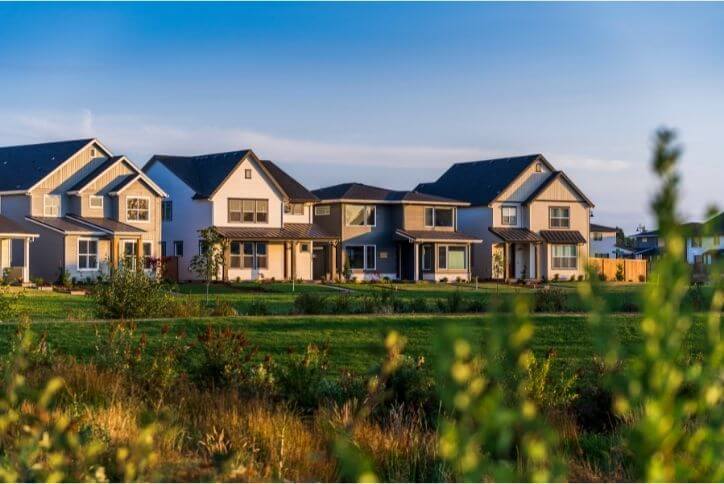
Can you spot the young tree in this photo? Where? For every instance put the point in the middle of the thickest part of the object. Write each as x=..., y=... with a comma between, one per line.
x=211, y=257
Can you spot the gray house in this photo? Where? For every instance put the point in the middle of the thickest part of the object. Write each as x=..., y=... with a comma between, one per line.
x=90, y=210
x=394, y=234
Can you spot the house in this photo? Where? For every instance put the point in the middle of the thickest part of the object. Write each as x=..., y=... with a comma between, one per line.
x=10, y=232
x=646, y=244
x=263, y=213
x=532, y=219
x=90, y=210
x=604, y=243
x=705, y=243
x=402, y=235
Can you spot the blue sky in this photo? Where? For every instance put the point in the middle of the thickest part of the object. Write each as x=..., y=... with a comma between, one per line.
x=386, y=94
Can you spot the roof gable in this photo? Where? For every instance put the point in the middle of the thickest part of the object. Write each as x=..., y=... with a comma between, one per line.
x=22, y=167
x=480, y=182
x=362, y=192
x=555, y=176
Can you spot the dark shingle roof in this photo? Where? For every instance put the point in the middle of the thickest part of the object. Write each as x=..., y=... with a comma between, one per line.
x=602, y=228
x=479, y=182
x=435, y=235
x=204, y=173
x=515, y=235
x=21, y=167
x=106, y=224
x=360, y=191
x=95, y=173
x=563, y=236
x=8, y=226
x=288, y=232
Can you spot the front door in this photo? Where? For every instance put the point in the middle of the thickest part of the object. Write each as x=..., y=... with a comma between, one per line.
x=320, y=259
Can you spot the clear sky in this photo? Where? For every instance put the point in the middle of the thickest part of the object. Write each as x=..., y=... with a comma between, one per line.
x=385, y=94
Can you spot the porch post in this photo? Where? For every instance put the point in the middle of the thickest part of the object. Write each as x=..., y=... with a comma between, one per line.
x=226, y=247
x=538, y=261
x=139, y=260
x=26, y=260
x=417, y=261
x=470, y=269
x=531, y=264
x=294, y=260
x=506, y=272
x=333, y=260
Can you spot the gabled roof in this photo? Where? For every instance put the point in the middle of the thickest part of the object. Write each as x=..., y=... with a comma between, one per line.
x=603, y=228
x=480, y=182
x=556, y=175
x=360, y=192
x=204, y=174
x=21, y=167
x=106, y=224
x=10, y=227
x=98, y=171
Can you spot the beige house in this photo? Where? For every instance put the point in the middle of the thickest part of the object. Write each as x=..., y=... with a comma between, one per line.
x=11, y=232
x=533, y=220
x=91, y=210
x=265, y=214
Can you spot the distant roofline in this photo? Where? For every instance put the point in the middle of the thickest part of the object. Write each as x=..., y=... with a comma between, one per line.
x=440, y=200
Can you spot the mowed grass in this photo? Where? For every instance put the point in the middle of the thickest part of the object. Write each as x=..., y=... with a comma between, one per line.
x=356, y=342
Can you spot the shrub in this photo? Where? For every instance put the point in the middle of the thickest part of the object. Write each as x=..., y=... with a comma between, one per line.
x=580, y=277
x=478, y=304
x=419, y=305
x=695, y=298
x=548, y=391
x=184, y=307
x=452, y=303
x=128, y=293
x=117, y=347
x=642, y=278
x=550, y=300
x=257, y=307
x=64, y=279
x=369, y=304
x=411, y=385
x=223, y=308
x=303, y=380
x=619, y=272
x=310, y=303
x=556, y=277
x=629, y=306
x=9, y=302
x=341, y=304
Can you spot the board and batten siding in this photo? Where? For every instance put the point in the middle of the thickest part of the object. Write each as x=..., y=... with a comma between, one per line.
x=413, y=218
x=525, y=184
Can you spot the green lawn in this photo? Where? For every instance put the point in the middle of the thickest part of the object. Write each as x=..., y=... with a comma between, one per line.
x=355, y=341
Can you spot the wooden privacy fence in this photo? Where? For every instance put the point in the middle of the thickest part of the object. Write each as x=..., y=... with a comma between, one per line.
x=634, y=270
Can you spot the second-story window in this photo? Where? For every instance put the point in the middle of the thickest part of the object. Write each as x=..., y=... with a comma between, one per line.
x=560, y=217
x=509, y=216
x=696, y=242
x=137, y=209
x=51, y=205
x=361, y=215
x=439, y=217
x=597, y=236
x=294, y=208
x=167, y=210
x=322, y=210
x=95, y=201
x=248, y=210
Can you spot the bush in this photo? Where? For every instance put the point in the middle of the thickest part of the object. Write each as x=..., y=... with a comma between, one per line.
x=478, y=304
x=257, y=307
x=184, y=307
x=695, y=298
x=369, y=304
x=550, y=300
x=411, y=385
x=223, y=308
x=619, y=272
x=452, y=303
x=419, y=305
x=341, y=304
x=128, y=293
x=549, y=391
x=303, y=380
x=9, y=304
x=310, y=303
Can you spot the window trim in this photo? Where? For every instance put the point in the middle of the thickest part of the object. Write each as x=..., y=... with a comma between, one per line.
x=554, y=257
x=425, y=248
x=96, y=197
x=322, y=210
x=254, y=255
x=50, y=196
x=550, y=217
x=502, y=215
x=446, y=248
x=247, y=173
x=87, y=254
x=365, y=267
x=289, y=208
x=176, y=244
x=453, y=217
x=256, y=212
x=148, y=210
x=366, y=206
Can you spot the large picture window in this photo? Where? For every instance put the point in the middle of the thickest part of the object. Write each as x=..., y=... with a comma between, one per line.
x=360, y=215
x=509, y=216
x=87, y=254
x=137, y=209
x=439, y=217
x=452, y=257
x=560, y=217
x=248, y=255
x=362, y=257
x=248, y=210
x=565, y=256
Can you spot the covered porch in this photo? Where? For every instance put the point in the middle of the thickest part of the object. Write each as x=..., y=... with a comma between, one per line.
x=10, y=232
x=292, y=252
x=434, y=255
x=518, y=255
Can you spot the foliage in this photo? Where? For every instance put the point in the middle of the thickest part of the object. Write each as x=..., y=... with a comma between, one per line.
x=619, y=272
x=9, y=302
x=257, y=307
x=64, y=279
x=310, y=303
x=303, y=380
x=127, y=293
x=210, y=259
x=452, y=303
x=547, y=390
x=550, y=299
x=223, y=308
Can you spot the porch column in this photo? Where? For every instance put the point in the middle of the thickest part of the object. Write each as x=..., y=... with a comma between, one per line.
x=506, y=272
x=226, y=248
x=26, y=260
x=294, y=260
x=333, y=260
x=531, y=264
x=114, y=252
x=4, y=253
x=539, y=251
x=139, y=260
x=470, y=269
x=417, y=262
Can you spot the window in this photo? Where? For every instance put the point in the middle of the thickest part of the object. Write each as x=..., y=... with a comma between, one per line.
x=644, y=240
x=247, y=174
x=439, y=217
x=294, y=208
x=509, y=216
x=560, y=217
x=597, y=235
x=147, y=255
x=95, y=201
x=93, y=152
x=248, y=255
x=137, y=209
x=452, y=257
x=362, y=257
x=362, y=215
x=87, y=254
x=538, y=168
x=696, y=242
x=129, y=253
x=178, y=248
x=162, y=248
x=167, y=210
x=565, y=256
x=322, y=210
x=427, y=251
x=304, y=247
x=248, y=210
x=51, y=205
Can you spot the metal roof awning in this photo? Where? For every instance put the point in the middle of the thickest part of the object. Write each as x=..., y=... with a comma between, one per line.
x=563, y=236
x=113, y=227
x=293, y=231
x=434, y=236
x=516, y=235
x=65, y=225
